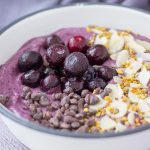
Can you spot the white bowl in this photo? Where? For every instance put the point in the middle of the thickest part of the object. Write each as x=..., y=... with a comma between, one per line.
x=44, y=22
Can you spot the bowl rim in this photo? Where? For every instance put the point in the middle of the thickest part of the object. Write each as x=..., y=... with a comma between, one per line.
x=31, y=125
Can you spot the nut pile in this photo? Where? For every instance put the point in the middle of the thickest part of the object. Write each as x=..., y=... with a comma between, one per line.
x=67, y=110
x=128, y=103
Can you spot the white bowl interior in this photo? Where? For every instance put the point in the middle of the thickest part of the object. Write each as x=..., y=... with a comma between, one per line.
x=74, y=16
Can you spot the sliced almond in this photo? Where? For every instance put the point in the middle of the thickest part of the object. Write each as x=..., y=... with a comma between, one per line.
x=134, y=85
x=134, y=67
x=147, y=100
x=144, y=56
x=113, y=31
x=131, y=118
x=136, y=47
x=143, y=106
x=133, y=97
x=94, y=30
x=145, y=44
x=106, y=123
x=147, y=114
x=129, y=71
x=120, y=127
x=147, y=63
x=117, y=79
x=114, y=56
x=116, y=92
x=144, y=77
x=122, y=58
x=101, y=40
x=116, y=43
x=147, y=119
x=128, y=38
x=121, y=108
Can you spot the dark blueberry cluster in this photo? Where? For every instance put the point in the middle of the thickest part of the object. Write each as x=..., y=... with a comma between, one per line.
x=76, y=65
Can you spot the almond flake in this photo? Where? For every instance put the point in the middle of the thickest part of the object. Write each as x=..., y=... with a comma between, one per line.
x=101, y=40
x=114, y=56
x=147, y=114
x=120, y=127
x=121, y=108
x=134, y=85
x=144, y=77
x=133, y=97
x=147, y=119
x=122, y=58
x=113, y=31
x=117, y=79
x=94, y=30
x=116, y=43
x=136, y=47
x=131, y=118
x=106, y=123
x=143, y=106
x=116, y=92
x=144, y=56
x=147, y=100
x=134, y=67
x=128, y=38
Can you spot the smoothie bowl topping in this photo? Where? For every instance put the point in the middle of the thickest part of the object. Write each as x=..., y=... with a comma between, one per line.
x=90, y=79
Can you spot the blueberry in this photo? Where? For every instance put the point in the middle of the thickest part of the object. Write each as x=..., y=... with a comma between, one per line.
x=97, y=54
x=49, y=82
x=56, y=54
x=106, y=72
x=96, y=83
x=29, y=60
x=76, y=63
x=31, y=78
x=53, y=39
x=76, y=84
x=89, y=74
x=77, y=43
